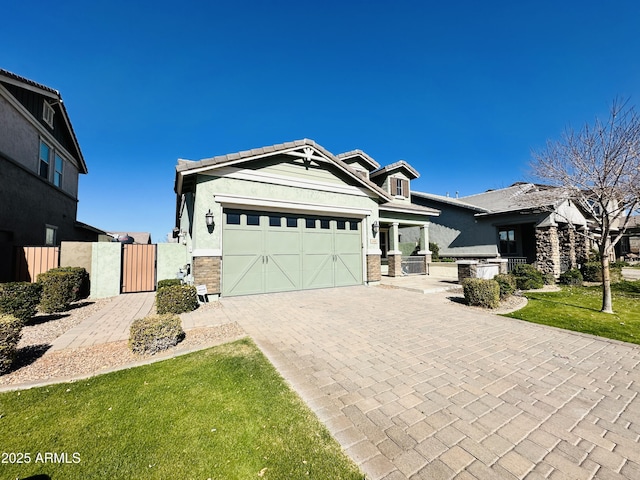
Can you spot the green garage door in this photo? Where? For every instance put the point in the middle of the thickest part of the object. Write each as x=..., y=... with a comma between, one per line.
x=272, y=252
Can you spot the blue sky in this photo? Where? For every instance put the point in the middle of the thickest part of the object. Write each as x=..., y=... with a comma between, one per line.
x=463, y=91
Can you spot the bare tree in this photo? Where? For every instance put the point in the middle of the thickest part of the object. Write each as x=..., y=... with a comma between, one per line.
x=600, y=165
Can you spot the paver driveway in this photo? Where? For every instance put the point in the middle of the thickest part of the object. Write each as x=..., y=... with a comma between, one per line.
x=417, y=386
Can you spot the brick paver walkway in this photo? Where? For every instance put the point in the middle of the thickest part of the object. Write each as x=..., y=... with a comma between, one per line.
x=415, y=386
x=109, y=324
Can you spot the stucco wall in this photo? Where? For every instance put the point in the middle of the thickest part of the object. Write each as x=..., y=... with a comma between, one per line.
x=171, y=257
x=208, y=187
x=76, y=254
x=105, y=268
x=27, y=203
x=457, y=233
x=18, y=138
x=20, y=142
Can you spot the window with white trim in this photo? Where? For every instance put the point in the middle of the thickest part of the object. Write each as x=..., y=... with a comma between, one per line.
x=47, y=113
x=50, y=235
x=45, y=159
x=401, y=187
x=57, y=171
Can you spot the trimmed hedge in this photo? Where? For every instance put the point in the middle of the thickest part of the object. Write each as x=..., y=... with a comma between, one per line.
x=507, y=284
x=527, y=277
x=59, y=289
x=176, y=299
x=20, y=299
x=155, y=333
x=81, y=281
x=571, y=277
x=481, y=292
x=10, y=332
x=169, y=282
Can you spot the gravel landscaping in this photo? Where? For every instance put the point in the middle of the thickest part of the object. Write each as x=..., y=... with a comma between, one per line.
x=35, y=365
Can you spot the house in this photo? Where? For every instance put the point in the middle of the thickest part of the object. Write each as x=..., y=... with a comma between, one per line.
x=629, y=245
x=40, y=161
x=294, y=216
x=140, y=238
x=525, y=223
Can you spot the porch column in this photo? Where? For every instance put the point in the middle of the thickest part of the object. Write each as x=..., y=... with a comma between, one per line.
x=394, y=255
x=424, y=242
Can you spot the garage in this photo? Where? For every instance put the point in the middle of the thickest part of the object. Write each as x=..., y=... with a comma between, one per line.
x=267, y=252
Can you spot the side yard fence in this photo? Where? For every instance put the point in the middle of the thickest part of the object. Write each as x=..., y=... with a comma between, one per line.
x=113, y=268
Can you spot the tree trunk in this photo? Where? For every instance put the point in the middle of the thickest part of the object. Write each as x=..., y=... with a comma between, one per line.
x=607, y=303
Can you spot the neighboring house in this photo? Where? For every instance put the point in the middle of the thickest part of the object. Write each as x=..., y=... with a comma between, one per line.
x=293, y=216
x=629, y=245
x=526, y=223
x=140, y=238
x=40, y=161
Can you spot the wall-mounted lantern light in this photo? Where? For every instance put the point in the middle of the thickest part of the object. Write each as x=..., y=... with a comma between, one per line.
x=209, y=218
x=375, y=228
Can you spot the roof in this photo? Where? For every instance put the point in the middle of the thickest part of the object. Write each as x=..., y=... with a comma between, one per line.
x=448, y=200
x=520, y=196
x=359, y=153
x=186, y=167
x=138, y=237
x=23, y=82
x=401, y=164
x=409, y=208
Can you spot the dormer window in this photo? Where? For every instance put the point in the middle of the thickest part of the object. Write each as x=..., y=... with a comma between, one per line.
x=47, y=113
x=402, y=187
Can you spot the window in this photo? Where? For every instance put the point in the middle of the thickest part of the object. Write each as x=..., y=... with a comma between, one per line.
x=47, y=113
x=310, y=222
x=45, y=158
x=402, y=187
x=253, y=219
x=292, y=222
x=233, y=219
x=50, y=235
x=275, y=221
x=57, y=172
x=324, y=223
x=341, y=225
x=353, y=225
x=507, y=241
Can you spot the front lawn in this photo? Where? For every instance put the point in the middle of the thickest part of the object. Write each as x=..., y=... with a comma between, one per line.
x=578, y=309
x=222, y=413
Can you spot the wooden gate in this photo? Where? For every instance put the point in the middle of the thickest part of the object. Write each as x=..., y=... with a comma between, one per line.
x=138, y=268
x=32, y=261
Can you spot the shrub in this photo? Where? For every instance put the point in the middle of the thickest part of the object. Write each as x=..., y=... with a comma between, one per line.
x=155, y=333
x=176, y=299
x=20, y=299
x=81, y=281
x=527, y=277
x=10, y=331
x=507, y=284
x=169, y=282
x=435, y=251
x=571, y=277
x=482, y=293
x=59, y=289
x=592, y=272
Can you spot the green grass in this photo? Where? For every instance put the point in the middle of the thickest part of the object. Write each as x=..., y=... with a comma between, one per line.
x=222, y=413
x=578, y=309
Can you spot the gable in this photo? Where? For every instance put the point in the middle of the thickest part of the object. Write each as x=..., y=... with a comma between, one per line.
x=302, y=164
x=29, y=97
